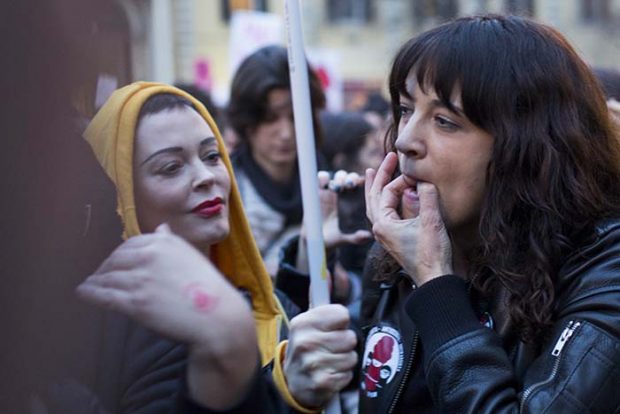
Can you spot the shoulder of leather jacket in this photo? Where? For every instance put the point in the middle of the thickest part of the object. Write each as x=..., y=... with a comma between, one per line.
x=590, y=278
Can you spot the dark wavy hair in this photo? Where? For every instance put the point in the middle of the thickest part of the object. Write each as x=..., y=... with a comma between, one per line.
x=555, y=164
x=257, y=75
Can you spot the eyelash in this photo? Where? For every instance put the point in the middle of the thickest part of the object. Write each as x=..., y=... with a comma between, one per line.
x=403, y=110
x=212, y=156
x=440, y=121
x=172, y=168
x=446, y=124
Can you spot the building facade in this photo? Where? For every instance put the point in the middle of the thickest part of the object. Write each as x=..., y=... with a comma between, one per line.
x=171, y=39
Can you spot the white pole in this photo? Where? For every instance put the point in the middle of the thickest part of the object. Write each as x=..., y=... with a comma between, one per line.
x=306, y=155
x=162, y=54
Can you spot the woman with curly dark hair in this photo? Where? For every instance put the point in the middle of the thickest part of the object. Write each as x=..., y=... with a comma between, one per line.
x=495, y=283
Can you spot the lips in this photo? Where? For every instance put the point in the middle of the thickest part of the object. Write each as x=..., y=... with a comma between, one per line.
x=209, y=208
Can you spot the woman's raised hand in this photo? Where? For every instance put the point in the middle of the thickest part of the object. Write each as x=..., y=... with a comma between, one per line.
x=166, y=285
x=409, y=227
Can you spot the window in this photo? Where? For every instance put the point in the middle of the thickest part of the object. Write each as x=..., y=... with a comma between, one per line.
x=229, y=6
x=435, y=9
x=358, y=11
x=520, y=7
x=595, y=10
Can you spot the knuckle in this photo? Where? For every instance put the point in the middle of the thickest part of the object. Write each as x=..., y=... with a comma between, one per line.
x=350, y=339
x=297, y=323
x=143, y=255
x=143, y=279
x=140, y=299
x=341, y=314
x=377, y=230
x=321, y=381
x=352, y=359
x=431, y=221
x=347, y=377
x=301, y=345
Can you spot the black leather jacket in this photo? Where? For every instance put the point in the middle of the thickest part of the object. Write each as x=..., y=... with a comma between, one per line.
x=436, y=349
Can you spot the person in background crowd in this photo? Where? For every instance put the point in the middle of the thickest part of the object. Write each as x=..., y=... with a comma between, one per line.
x=265, y=163
x=610, y=81
x=494, y=285
x=376, y=109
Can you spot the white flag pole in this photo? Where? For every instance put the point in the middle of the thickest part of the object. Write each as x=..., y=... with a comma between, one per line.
x=306, y=155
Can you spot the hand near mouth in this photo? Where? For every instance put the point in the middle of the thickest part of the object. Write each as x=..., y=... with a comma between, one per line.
x=416, y=237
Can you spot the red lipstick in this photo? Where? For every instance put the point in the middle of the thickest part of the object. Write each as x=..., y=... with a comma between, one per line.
x=209, y=208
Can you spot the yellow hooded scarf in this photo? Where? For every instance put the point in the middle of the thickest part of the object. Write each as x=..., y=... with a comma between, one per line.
x=111, y=135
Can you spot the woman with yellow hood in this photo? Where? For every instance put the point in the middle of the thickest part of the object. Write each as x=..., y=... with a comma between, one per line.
x=191, y=272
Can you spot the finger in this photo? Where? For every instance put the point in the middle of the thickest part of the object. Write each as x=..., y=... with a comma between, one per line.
x=125, y=258
x=337, y=342
x=328, y=362
x=391, y=197
x=370, y=178
x=385, y=171
x=352, y=180
x=429, y=204
x=328, y=200
x=112, y=299
x=140, y=240
x=375, y=187
x=410, y=204
x=163, y=228
x=340, y=177
x=120, y=280
x=325, y=318
x=323, y=178
x=342, y=362
x=332, y=382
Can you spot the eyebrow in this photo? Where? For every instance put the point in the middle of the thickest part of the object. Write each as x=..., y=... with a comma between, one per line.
x=175, y=150
x=452, y=107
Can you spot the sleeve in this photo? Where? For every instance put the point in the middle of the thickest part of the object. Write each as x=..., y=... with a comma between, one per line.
x=268, y=392
x=468, y=370
x=260, y=394
x=293, y=283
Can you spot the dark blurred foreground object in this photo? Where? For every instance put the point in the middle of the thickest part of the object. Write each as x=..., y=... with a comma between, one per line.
x=57, y=211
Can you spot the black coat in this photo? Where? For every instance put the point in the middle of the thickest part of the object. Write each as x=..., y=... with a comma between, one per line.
x=448, y=353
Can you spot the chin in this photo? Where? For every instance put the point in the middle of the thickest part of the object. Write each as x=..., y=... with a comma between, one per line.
x=286, y=158
x=208, y=235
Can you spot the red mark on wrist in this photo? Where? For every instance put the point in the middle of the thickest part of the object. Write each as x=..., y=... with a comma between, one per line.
x=201, y=300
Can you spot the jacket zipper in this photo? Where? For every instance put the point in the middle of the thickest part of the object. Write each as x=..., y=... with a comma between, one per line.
x=405, y=374
x=557, y=353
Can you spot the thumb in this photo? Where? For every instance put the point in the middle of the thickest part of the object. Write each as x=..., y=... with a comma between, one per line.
x=163, y=228
x=429, y=203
